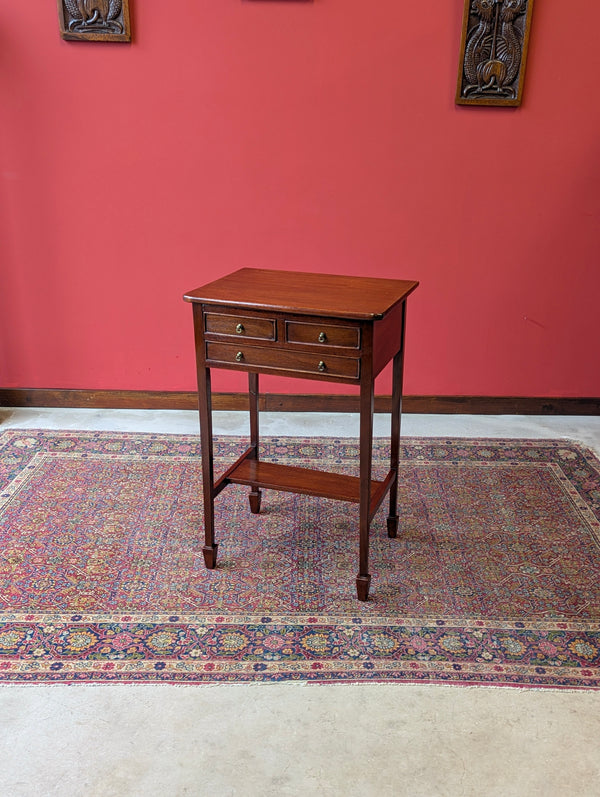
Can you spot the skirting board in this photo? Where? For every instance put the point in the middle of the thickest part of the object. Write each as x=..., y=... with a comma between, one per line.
x=271, y=402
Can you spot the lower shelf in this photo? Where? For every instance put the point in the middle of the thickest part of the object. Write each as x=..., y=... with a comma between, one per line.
x=306, y=481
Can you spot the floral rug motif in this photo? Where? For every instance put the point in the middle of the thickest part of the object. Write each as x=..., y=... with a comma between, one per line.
x=493, y=579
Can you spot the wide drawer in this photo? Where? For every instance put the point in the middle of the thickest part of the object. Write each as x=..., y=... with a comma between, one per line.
x=282, y=359
x=322, y=334
x=240, y=326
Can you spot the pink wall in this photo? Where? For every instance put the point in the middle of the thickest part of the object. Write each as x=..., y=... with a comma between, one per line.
x=317, y=135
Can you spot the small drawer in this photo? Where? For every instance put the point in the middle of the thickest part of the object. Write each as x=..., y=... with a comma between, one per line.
x=292, y=362
x=322, y=334
x=240, y=326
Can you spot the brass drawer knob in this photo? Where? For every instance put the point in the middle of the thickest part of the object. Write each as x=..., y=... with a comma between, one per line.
x=239, y=356
x=322, y=337
x=321, y=366
x=240, y=329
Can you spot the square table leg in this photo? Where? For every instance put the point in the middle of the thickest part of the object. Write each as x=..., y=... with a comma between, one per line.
x=206, y=443
x=392, y=519
x=397, y=379
x=255, y=493
x=363, y=579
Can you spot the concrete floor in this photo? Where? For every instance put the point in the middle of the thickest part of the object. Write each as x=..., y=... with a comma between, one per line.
x=294, y=739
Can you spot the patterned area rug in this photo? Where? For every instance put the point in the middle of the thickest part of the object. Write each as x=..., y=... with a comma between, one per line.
x=493, y=579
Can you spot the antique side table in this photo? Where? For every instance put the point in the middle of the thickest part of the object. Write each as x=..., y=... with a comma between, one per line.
x=313, y=326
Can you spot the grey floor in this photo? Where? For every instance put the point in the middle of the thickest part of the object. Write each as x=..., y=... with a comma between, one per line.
x=294, y=739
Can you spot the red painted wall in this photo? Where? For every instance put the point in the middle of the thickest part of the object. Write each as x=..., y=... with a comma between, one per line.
x=317, y=135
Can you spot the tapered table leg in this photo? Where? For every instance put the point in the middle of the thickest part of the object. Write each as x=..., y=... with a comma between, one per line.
x=363, y=579
x=206, y=442
x=392, y=520
x=398, y=369
x=255, y=493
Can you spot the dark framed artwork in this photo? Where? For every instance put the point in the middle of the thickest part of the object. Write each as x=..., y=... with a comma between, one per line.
x=94, y=20
x=493, y=52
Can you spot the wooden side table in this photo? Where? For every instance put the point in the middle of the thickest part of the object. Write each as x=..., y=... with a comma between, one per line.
x=313, y=326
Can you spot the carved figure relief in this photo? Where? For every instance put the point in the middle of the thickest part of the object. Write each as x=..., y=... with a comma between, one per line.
x=96, y=20
x=493, y=52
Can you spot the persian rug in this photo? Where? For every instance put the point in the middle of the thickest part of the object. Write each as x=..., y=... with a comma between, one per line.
x=493, y=579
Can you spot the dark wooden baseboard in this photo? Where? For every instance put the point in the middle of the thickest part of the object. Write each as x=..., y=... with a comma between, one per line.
x=180, y=400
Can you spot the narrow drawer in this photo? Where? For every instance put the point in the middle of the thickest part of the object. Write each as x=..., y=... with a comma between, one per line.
x=240, y=326
x=322, y=334
x=282, y=360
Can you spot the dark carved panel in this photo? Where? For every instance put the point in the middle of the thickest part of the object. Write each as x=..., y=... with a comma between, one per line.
x=493, y=52
x=95, y=20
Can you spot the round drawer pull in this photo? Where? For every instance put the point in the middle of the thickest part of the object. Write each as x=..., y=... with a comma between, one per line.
x=321, y=366
x=322, y=337
x=240, y=329
x=239, y=356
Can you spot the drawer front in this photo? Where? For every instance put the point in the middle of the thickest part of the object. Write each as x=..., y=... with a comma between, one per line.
x=239, y=326
x=282, y=359
x=322, y=334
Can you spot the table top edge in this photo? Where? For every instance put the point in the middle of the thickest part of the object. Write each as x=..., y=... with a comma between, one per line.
x=218, y=293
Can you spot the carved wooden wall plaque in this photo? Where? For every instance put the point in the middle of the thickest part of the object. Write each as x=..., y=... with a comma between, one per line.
x=94, y=20
x=493, y=52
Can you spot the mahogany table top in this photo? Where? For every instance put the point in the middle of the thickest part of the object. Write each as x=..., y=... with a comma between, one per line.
x=332, y=295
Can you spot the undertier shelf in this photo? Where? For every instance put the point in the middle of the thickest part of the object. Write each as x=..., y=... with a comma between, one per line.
x=305, y=481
